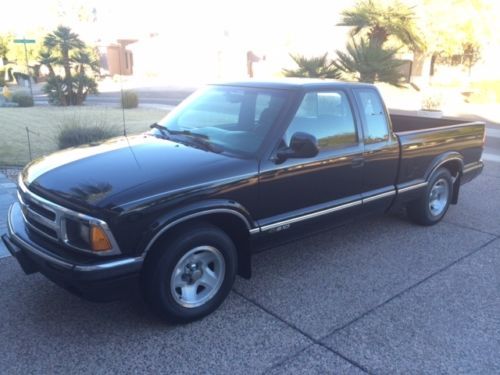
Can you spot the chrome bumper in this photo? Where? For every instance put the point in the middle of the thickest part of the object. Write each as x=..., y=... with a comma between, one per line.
x=20, y=245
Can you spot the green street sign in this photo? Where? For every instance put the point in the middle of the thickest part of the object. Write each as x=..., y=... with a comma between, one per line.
x=27, y=41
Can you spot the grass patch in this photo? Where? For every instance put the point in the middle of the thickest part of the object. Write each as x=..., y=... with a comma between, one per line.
x=45, y=123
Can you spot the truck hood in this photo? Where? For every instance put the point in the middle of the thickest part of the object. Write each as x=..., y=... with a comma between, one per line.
x=123, y=170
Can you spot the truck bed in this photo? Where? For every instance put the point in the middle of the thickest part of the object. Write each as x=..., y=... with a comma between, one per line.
x=404, y=123
x=425, y=141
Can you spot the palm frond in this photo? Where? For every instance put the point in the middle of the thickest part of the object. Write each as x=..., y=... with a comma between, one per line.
x=312, y=67
x=369, y=63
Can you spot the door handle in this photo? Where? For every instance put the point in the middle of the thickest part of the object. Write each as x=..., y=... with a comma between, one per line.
x=358, y=162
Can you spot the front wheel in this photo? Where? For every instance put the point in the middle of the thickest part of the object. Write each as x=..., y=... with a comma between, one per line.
x=434, y=203
x=191, y=273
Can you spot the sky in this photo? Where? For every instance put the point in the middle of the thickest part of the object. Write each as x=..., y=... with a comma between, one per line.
x=258, y=22
x=269, y=27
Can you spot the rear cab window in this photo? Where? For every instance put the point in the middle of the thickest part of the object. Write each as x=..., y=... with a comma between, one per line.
x=372, y=111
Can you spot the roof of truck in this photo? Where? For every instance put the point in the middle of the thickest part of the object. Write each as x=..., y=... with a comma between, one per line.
x=296, y=83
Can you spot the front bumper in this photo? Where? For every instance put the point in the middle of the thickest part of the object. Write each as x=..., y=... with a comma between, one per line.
x=97, y=280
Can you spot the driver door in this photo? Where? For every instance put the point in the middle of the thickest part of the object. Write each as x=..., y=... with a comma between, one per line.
x=304, y=190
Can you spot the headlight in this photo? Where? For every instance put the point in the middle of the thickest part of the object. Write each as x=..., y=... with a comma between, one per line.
x=86, y=236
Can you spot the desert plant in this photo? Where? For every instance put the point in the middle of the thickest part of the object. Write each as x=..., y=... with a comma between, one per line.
x=22, y=98
x=129, y=99
x=80, y=130
x=64, y=48
x=366, y=62
x=313, y=67
x=432, y=102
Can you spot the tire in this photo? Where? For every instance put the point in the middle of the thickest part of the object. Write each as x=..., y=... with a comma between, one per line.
x=190, y=274
x=433, y=205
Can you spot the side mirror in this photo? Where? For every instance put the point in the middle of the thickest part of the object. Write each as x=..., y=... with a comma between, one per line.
x=302, y=145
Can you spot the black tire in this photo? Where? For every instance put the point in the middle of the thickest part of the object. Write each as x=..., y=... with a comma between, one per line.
x=421, y=211
x=158, y=277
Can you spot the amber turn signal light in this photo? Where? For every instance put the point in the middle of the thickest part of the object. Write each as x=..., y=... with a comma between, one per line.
x=98, y=239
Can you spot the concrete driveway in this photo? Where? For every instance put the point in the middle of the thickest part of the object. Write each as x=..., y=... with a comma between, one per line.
x=377, y=296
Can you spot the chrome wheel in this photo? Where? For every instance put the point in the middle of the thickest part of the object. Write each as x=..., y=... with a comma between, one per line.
x=438, y=197
x=197, y=276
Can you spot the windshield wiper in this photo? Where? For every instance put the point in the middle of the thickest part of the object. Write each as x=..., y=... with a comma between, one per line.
x=196, y=139
x=164, y=129
x=161, y=128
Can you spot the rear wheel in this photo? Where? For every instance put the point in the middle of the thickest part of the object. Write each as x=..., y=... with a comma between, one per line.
x=189, y=275
x=434, y=203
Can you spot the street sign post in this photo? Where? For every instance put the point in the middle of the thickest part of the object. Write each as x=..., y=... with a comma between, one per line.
x=27, y=41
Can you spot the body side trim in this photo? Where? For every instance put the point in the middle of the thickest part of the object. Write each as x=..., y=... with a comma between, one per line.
x=327, y=211
x=412, y=187
x=379, y=196
x=472, y=167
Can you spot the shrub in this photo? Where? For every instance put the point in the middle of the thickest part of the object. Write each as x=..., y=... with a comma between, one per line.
x=432, y=102
x=130, y=99
x=79, y=130
x=22, y=98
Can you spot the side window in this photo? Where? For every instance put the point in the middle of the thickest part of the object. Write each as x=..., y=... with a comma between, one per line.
x=327, y=116
x=372, y=110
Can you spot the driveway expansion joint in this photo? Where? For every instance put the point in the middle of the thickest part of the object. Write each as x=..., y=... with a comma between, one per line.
x=411, y=287
x=305, y=334
x=470, y=228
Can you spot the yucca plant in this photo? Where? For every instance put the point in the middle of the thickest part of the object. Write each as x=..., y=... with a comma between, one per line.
x=366, y=62
x=312, y=67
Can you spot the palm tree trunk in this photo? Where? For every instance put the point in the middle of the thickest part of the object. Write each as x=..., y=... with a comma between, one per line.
x=378, y=36
x=67, y=78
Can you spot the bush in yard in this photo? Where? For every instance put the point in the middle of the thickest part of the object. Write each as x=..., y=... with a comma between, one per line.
x=78, y=131
x=130, y=99
x=22, y=98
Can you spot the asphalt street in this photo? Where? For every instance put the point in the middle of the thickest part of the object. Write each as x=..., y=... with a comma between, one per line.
x=148, y=96
x=377, y=296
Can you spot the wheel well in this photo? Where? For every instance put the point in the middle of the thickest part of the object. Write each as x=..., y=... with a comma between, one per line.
x=455, y=169
x=453, y=166
x=233, y=226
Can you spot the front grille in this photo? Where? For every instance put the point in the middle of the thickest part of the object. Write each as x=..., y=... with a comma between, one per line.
x=41, y=219
x=43, y=211
x=42, y=228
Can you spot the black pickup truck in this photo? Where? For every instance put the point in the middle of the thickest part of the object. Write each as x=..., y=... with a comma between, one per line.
x=236, y=168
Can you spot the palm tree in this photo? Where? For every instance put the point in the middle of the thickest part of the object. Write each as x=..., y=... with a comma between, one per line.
x=314, y=67
x=380, y=21
x=84, y=59
x=63, y=47
x=64, y=40
x=46, y=58
x=367, y=62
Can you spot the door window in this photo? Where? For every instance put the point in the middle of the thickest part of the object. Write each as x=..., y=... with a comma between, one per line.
x=328, y=117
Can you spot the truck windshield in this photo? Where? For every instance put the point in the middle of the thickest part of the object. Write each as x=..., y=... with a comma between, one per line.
x=233, y=119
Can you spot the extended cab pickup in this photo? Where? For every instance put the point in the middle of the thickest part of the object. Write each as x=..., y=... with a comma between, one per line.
x=235, y=168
